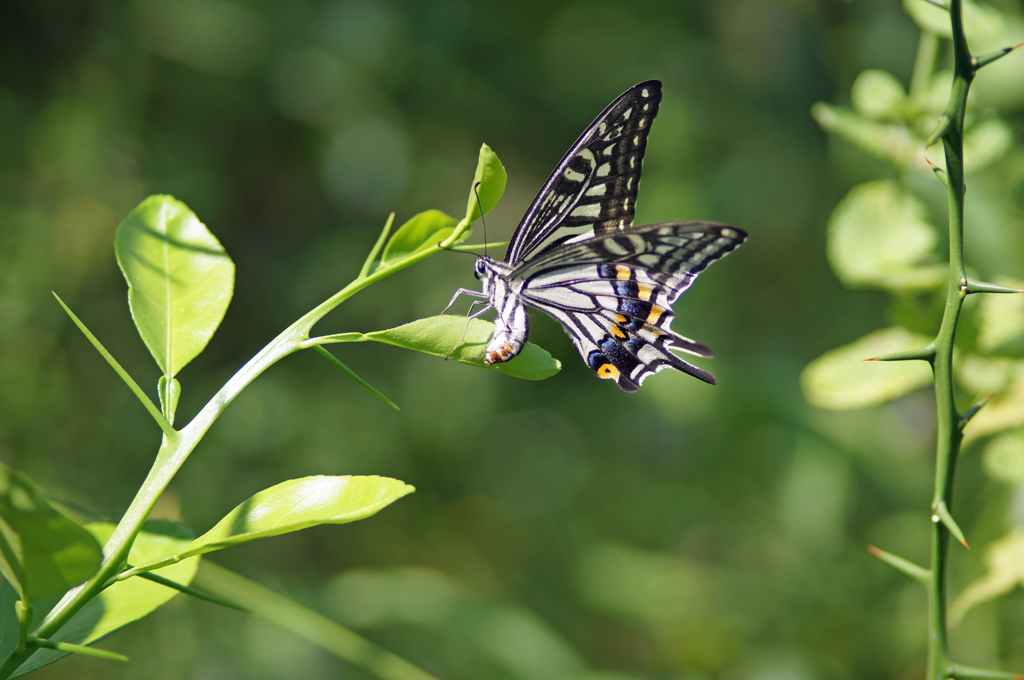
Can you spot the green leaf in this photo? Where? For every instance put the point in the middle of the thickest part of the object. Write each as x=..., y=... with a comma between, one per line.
x=985, y=143
x=170, y=392
x=1004, y=412
x=878, y=238
x=1004, y=560
x=124, y=601
x=889, y=142
x=180, y=280
x=1001, y=320
x=290, y=506
x=491, y=176
x=840, y=379
x=1003, y=459
x=877, y=94
x=42, y=552
x=983, y=25
x=438, y=335
x=308, y=624
x=424, y=230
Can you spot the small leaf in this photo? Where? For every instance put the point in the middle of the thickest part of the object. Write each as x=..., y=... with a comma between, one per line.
x=42, y=552
x=439, y=335
x=1004, y=412
x=982, y=24
x=491, y=177
x=424, y=230
x=877, y=94
x=124, y=601
x=180, y=280
x=290, y=506
x=1003, y=459
x=1001, y=320
x=889, y=142
x=840, y=379
x=985, y=143
x=170, y=392
x=878, y=237
x=1004, y=559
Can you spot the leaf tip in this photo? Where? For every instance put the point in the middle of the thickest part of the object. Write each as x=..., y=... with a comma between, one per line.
x=875, y=552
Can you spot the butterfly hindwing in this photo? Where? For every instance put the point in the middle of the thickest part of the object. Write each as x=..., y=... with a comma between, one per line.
x=593, y=189
x=613, y=294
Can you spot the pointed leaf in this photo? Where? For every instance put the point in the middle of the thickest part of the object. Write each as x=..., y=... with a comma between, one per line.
x=439, y=335
x=293, y=505
x=889, y=142
x=878, y=238
x=42, y=552
x=1004, y=559
x=170, y=392
x=180, y=280
x=491, y=177
x=124, y=601
x=840, y=379
x=424, y=230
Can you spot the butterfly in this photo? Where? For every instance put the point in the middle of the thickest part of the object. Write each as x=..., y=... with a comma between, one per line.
x=577, y=256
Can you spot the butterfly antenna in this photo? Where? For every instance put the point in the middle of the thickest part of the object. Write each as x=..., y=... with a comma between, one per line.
x=482, y=220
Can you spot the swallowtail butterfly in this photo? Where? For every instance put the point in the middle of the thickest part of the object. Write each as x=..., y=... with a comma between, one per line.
x=577, y=256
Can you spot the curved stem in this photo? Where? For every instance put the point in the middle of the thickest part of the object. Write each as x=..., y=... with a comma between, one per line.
x=177, y=445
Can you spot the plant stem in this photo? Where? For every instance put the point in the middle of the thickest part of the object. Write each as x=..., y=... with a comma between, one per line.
x=177, y=445
x=940, y=666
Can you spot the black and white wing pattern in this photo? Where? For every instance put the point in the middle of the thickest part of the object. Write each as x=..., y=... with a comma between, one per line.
x=613, y=294
x=593, y=188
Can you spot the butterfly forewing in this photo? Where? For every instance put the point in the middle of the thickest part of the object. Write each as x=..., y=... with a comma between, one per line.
x=593, y=189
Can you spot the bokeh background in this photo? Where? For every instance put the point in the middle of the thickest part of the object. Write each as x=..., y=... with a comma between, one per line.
x=560, y=529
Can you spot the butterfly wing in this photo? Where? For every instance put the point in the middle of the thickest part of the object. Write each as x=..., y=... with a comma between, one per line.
x=593, y=188
x=613, y=294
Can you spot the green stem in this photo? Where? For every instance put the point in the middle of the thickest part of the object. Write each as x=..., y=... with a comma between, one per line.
x=177, y=445
x=940, y=665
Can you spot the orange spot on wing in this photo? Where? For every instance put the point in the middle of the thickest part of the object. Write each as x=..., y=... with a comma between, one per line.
x=655, y=314
x=608, y=372
x=622, y=271
x=617, y=332
x=645, y=291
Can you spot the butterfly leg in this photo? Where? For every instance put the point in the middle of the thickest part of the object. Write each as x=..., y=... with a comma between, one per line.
x=463, y=291
x=469, y=318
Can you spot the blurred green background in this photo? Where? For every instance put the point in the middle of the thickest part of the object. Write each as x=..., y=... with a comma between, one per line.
x=560, y=529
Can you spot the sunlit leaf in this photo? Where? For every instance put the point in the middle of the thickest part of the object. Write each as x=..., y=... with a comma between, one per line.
x=42, y=552
x=1004, y=560
x=127, y=600
x=877, y=94
x=293, y=505
x=985, y=143
x=180, y=280
x=1003, y=459
x=1001, y=319
x=1004, y=412
x=439, y=335
x=490, y=174
x=983, y=24
x=878, y=238
x=424, y=230
x=170, y=392
x=887, y=141
x=840, y=379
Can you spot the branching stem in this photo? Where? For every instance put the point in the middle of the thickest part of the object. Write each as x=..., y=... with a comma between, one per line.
x=940, y=666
